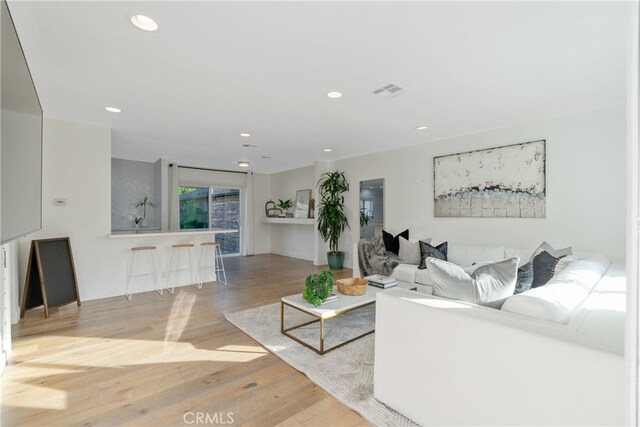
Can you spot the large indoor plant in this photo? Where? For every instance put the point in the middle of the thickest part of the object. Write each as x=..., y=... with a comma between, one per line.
x=332, y=220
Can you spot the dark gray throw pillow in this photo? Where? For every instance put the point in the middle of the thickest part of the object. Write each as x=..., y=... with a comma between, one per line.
x=525, y=278
x=544, y=267
x=391, y=243
x=429, y=251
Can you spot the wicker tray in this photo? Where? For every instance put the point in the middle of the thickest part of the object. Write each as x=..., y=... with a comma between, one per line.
x=353, y=286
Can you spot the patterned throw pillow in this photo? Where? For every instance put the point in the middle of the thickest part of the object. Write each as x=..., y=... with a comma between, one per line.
x=525, y=278
x=544, y=267
x=429, y=251
x=391, y=243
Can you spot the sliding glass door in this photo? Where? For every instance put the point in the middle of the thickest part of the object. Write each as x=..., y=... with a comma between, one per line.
x=225, y=214
x=213, y=207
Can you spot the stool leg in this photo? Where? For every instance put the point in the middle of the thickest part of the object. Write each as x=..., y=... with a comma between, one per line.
x=170, y=289
x=194, y=281
x=154, y=266
x=221, y=268
x=130, y=263
x=201, y=265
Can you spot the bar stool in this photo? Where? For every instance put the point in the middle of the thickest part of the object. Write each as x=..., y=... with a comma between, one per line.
x=175, y=250
x=217, y=260
x=151, y=252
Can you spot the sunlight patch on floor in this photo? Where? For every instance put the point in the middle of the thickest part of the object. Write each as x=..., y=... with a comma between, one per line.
x=179, y=316
x=39, y=397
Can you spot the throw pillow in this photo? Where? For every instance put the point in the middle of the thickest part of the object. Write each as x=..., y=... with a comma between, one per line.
x=391, y=243
x=544, y=267
x=409, y=252
x=524, y=280
x=557, y=253
x=429, y=251
x=490, y=284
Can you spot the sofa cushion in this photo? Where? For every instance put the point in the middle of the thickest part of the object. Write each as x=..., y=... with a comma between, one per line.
x=391, y=243
x=423, y=277
x=467, y=255
x=489, y=284
x=429, y=251
x=602, y=315
x=558, y=300
x=405, y=272
x=409, y=252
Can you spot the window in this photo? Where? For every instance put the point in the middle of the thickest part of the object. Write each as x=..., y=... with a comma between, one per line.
x=212, y=207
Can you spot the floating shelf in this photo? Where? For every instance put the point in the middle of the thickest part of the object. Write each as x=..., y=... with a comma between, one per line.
x=297, y=221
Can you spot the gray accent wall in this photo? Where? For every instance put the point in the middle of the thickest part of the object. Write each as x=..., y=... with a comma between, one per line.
x=131, y=181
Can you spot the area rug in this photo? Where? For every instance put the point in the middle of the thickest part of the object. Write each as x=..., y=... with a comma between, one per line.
x=346, y=372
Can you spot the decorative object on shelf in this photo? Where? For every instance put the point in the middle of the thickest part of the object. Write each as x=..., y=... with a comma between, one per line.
x=143, y=222
x=318, y=287
x=284, y=205
x=303, y=200
x=270, y=209
x=332, y=220
x=506, y=181
x=312, y=208
x=352, y=286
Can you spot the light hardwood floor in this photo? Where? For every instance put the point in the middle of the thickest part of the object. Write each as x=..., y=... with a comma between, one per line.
x=151, y=360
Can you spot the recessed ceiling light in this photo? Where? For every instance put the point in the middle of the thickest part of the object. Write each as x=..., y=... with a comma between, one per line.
x=334, y=95
x=244, y=163
x=144, y=22
x=113, y=109
x=327, y=150
x=245, y=135
x=422, y=127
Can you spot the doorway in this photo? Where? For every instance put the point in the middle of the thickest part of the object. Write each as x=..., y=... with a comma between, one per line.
x=371, y=208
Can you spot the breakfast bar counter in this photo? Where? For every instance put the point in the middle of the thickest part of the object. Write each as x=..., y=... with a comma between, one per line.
x=142, y=232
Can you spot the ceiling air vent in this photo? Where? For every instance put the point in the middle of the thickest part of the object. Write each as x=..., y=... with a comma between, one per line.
x=250, y=145
x=389, y=91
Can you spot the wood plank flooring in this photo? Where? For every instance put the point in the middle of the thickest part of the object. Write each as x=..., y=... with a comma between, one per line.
x=165, y=360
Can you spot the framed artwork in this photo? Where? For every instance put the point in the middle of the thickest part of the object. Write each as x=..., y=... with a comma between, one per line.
x=502, y=182
x=303, y=199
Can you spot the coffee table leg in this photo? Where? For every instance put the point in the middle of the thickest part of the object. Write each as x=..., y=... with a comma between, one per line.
x=321, y=336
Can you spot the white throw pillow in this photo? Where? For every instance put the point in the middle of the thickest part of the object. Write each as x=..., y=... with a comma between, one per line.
x=489, y=284
x=556, y=253
x=409, y=252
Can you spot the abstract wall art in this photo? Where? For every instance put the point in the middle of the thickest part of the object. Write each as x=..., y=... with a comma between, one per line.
x=506, y=182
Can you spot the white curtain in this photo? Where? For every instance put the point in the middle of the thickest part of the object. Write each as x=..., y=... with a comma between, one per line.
x=247, y=237
x=174, y=197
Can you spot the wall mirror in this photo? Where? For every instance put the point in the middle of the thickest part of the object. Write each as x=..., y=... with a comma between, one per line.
x=371, y=208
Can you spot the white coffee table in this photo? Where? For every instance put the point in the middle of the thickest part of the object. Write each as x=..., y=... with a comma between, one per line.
x=344, y=304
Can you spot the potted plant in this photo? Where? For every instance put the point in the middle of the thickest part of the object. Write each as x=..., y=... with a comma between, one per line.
x=332, y=220
x=364, y=219
x=284, y=205
x=143, y=204
x=318, y=287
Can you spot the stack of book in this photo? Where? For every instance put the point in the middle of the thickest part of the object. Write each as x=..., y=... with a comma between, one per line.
x=380, y=281
x=330, y=298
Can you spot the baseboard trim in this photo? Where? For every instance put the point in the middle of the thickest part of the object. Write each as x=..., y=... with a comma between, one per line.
x=292, y=255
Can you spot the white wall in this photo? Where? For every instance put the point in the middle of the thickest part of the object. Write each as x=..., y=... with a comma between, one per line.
x=131, y=181
x=296, y=241
x=586, y=182
x=261, y=231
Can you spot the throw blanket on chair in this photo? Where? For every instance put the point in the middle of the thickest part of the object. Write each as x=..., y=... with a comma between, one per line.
x=373, y=258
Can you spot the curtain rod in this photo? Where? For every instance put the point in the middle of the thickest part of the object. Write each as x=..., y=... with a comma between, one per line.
x=207, y=169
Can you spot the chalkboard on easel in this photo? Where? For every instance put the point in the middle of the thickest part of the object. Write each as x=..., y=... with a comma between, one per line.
x=51, y=276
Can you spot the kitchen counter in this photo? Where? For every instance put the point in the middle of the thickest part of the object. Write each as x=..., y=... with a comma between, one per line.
x=144, y=232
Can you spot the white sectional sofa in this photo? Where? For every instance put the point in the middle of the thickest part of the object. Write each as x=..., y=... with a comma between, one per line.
x=553, y=355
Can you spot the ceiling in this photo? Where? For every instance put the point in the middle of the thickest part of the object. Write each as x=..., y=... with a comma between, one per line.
x=214, y=70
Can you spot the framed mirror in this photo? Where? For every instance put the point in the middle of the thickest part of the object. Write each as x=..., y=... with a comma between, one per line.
x=371, y=208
